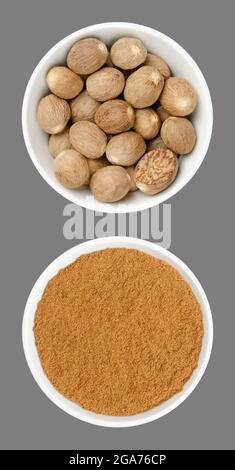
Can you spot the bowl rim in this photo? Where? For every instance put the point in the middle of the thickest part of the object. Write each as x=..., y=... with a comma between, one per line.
x=30, y=309
x=91, y=203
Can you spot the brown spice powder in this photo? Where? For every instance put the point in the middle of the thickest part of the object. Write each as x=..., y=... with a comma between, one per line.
x=118, y=331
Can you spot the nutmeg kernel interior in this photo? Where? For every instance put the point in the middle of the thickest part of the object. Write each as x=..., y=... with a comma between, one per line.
x=156, y=170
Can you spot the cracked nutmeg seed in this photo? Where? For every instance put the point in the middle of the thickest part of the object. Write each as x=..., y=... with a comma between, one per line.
x=156, y=170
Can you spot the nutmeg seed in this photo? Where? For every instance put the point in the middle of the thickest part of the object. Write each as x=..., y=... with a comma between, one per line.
x=147, y=123
x=53, y=114
x=115, y=116
x=143, y=87
x=157, y=61
x=96, y=164
x=179, y=97
x=87, y=55
x=88, y=139
x=59, y=142
x=125, y=149
x=162, y=113
x=110, y=184
x=63, y=82
x=105, y=84
x=156, y=143
x=71, y=169
x=179, y=135
x=83, y=107
x=128, y=53
x=156, y=170
x=131, y=172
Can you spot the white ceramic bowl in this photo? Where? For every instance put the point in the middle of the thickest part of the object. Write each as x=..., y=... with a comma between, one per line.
x=182, y=65
x=32, y=355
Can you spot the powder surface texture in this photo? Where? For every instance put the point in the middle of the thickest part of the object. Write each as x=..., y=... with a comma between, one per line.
x=118, y=331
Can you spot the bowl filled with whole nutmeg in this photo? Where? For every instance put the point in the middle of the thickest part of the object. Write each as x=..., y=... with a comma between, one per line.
x=117, y=117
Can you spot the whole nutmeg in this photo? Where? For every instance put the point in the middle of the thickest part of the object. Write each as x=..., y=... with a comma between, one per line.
x=179, y=135
x=63, y=82
x=110, y=184
x=109, y=62
x=87, y=55
x=162, y=113
x=128, y=53
x=87, y=138
x=53, y=114
x=179, y=97
x=156, y=143
x=59, y=142
x=71, y=169
x=96, y=163
x=147, y=123
x=115, y=116
x=156, y=170
x=159, y=63
x=83, y=107
x=131, y=172
x=143, y=87
x=105, y=84
x=125, y=149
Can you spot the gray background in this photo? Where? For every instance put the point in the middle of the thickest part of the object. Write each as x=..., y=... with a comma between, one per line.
x=31, y=224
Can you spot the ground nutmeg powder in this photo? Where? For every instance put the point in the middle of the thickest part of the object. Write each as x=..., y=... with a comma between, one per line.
x=118, y=331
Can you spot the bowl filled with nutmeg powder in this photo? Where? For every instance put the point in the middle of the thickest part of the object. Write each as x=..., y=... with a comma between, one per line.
x=117, y=331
